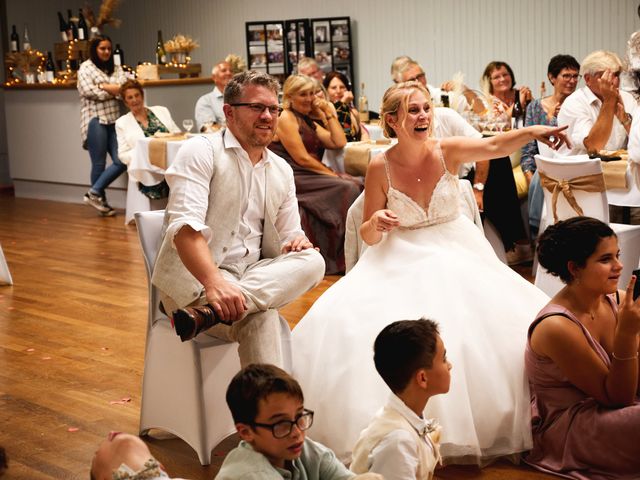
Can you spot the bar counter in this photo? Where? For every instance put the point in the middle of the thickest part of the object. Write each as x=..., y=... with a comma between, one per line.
x=46, y=159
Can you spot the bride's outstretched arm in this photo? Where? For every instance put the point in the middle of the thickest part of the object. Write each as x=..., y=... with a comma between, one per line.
x=377, y=219
x=457, y=150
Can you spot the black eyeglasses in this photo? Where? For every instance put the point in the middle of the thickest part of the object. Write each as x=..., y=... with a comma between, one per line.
x=258, y=108
x=283, y=428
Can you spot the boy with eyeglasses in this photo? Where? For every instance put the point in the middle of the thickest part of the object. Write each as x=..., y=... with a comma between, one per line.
x=267, y=406
x=400, y=443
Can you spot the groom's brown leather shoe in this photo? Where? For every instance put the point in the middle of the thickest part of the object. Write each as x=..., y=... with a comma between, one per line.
x=190, y=321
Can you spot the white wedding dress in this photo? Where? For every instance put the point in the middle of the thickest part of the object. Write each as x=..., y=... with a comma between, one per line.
x=437, y=265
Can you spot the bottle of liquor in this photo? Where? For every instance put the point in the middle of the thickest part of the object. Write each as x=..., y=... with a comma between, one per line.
x=543, y=89
x=363, y=105
x=517, y=113
x=15, y=40
x=72, y=31
x=49, y=69
x=82, y=26
x=26, y=44
x=63, y=28
x=161, y=54
x=118, y=55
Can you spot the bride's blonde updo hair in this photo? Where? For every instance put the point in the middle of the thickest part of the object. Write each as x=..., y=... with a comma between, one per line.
x=395, y=96
x=293, y=85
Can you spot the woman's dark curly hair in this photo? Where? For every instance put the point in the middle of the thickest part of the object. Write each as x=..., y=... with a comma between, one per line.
x=573, y=240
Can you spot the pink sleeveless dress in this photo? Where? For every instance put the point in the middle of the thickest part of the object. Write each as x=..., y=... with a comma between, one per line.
x=573, y=435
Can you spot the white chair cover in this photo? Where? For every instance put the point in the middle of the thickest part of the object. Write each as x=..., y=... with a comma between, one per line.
x=593, y=204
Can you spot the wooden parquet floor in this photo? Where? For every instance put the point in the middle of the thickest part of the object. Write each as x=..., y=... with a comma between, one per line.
x=72, y=333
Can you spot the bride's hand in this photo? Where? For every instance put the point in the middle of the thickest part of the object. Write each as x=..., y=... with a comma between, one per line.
x=554, y=137
x=384, y=220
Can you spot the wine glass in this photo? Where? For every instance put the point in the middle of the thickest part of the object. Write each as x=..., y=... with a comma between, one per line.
x=187, y=124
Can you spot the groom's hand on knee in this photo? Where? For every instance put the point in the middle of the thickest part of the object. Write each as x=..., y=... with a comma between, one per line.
x=227, y=300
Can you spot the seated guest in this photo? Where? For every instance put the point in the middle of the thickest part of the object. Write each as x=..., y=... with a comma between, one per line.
x=495, y=179
x=309, y=67
x=209, y=114
x=323, y=195
x=598, y=114
x=408, y=70
x=233, y=251
x=562, y=72
x=499, y=84
x=340, y=94
x=582, y=359
x=140, y=122
x=267, y=406
x=399, y=443
x=123, y=456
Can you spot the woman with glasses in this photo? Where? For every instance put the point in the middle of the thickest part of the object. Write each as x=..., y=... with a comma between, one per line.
x=499, y=83
x=562, y=73
x=309, y=125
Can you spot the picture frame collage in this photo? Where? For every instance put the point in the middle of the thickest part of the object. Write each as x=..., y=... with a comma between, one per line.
x=276, y=46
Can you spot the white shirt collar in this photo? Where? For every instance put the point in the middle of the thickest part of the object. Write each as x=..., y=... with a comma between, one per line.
x=217, y=92
x=591, y=97
x=230, y=141
x=421, y=425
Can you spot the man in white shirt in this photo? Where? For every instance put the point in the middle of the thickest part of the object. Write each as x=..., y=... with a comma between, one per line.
x=209, y=112
x=234, y=251
x=309, y=67
x=599, y=114
x=409, y=70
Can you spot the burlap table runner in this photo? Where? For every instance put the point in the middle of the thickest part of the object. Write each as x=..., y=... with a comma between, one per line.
x=158, y=149
x=356, y=155
x=615, y=174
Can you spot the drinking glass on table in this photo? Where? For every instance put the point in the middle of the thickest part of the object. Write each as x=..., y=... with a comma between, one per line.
x=187, y=124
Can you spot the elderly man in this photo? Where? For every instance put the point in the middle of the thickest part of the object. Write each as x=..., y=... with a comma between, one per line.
x=599, y=114
x=209, y=114
x=233, y=243
x=404, y=69
x=309, y=67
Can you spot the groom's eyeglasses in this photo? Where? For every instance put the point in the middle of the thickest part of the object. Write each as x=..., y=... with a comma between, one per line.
x=258, y=108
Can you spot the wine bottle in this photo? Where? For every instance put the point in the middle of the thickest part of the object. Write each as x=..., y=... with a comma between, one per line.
x=543, y=89
x=26, y=44
x=363, y=105
x=15, y=40
x=517, y=113
x=49, y=69
x=118, y=55
x=72, y=30
x=161, y=54
x=63, y=28
x=82, y=26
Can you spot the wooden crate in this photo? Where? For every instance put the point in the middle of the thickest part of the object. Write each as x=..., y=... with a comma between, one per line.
x=156, y=72
x=79, y=51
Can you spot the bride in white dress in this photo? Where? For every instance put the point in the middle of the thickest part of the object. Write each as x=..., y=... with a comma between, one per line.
x=425, y=260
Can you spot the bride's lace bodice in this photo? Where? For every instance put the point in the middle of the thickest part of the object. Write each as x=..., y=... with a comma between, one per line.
x=443, y=206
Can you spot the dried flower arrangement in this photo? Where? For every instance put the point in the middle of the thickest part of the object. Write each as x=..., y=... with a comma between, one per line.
x=237, y=63
x=105, y=16
x=180, y=43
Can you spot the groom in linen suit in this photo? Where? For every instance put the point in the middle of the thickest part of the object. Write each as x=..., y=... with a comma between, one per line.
x=232, y=229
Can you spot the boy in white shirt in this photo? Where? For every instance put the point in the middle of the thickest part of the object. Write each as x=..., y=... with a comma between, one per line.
x=399, y=443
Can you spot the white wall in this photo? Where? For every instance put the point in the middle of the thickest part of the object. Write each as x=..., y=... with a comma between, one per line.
x=446, y=36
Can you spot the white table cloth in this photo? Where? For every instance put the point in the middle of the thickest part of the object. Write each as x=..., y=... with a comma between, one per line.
x=142, y=170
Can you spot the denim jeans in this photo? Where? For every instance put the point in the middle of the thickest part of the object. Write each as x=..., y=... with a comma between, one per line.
x=100, y=140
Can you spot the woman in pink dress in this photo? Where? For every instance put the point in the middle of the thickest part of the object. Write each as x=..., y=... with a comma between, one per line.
x=582, y=359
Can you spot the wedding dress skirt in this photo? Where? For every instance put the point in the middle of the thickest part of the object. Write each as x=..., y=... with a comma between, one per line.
x=446, y=272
